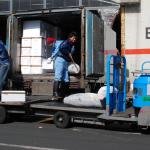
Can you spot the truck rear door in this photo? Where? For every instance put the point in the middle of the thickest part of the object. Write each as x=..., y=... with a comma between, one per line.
x=94, y=44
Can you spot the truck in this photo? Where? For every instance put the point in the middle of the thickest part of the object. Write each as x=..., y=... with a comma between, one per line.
x=95, y=39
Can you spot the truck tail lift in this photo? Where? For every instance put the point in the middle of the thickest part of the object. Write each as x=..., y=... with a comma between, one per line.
x=116, y=109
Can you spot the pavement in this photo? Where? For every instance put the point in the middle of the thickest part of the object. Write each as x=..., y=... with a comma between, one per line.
x=41, y=134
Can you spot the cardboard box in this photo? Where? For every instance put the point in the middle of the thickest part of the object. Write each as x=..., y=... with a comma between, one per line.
x=13, y=96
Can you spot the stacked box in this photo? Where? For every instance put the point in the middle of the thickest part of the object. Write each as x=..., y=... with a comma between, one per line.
x=38, y=47
x=36, y=28
x=25, y=51
x=32, y=53
x=34, y=49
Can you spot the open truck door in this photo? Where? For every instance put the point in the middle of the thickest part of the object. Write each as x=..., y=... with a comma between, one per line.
x=14, y=37
x=94, y=44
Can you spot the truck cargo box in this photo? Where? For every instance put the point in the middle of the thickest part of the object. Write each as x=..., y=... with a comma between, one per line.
x=93, y=37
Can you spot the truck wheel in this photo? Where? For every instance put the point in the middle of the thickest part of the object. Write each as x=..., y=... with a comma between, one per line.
x=144, y=129
x=107, y=125
x=2, y=114
x=61, y=119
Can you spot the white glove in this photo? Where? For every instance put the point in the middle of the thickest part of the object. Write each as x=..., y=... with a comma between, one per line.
x=49, y=60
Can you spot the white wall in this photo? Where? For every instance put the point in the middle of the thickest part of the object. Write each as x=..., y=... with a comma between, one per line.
x=137, y=18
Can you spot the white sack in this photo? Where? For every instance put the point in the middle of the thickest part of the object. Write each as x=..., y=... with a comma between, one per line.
x=83, y=99
x=73, y=68
x=102, y=92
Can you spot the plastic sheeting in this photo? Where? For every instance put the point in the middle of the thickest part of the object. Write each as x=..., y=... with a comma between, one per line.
x=109, y=13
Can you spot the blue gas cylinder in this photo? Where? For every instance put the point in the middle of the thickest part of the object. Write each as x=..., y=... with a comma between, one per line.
x=141, y=91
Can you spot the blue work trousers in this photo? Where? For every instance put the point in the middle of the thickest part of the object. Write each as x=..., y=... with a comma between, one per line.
x=61, y=69
x=3, y=74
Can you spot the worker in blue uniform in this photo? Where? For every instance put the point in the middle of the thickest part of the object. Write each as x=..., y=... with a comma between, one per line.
x=62, y=55
x=4, y=64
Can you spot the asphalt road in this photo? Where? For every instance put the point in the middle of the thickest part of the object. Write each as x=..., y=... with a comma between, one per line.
x=29, y=134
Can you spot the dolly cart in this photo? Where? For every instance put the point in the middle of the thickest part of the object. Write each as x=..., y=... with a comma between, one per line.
x=116, y=105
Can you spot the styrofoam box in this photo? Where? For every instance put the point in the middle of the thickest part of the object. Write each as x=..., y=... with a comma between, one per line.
x=13, y=96
x=25, y=69
x=36, y=52
x=37, y=47
x=26, y=42
x=25, y=51
x=25, y=60
x=37, y=42
x=36, y=61
x=36, y=70
x=37, y=28
x=31, y=28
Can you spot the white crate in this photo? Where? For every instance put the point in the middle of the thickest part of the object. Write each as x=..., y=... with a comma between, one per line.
x=36, y=28
x=32, y=28
x=25, y=51
x=25, y=60
x=13, y=96
x=37, y=42
x=36, y=52
x=25, y=69
x=36, y=61
x=36, y=70
x=26, y=42
x=37, y=47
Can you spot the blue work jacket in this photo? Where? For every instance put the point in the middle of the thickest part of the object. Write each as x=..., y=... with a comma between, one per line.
x=62, y=48
x=4, y=58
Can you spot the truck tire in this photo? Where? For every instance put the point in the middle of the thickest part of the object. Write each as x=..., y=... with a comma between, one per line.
x=2, y=114
x=61, y=119
x=144, y=129
x=107, y=125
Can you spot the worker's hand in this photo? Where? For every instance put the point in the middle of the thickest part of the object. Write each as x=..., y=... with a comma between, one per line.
x=49, y=60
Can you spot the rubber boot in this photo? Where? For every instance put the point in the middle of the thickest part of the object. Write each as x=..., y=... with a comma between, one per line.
x=67, y=92
x=65, y=89
x=56, y=88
